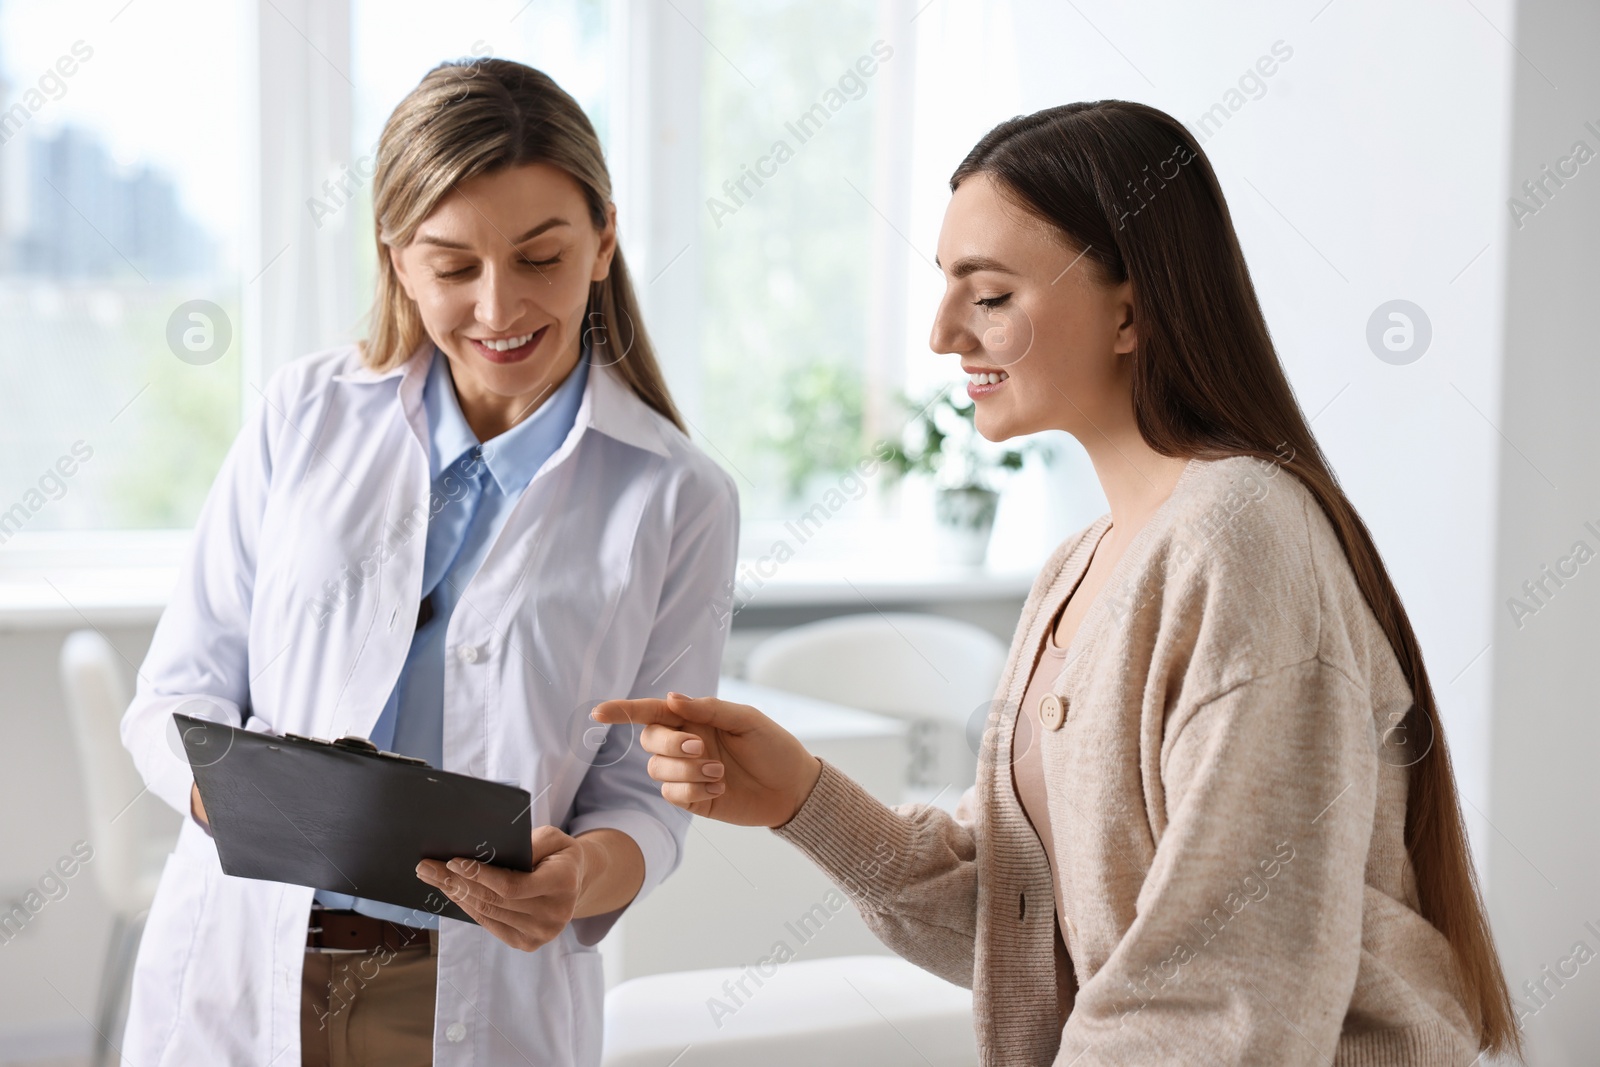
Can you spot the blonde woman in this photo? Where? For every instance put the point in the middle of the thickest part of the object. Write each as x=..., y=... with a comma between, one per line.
x=452, y=538
x=1215, y=820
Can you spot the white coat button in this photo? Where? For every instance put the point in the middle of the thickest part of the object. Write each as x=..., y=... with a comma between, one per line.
x=1052, y=711
x=454, y=1033
x=469, y=653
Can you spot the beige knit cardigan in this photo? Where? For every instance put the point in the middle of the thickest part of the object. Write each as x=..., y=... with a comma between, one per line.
x=1228, y=800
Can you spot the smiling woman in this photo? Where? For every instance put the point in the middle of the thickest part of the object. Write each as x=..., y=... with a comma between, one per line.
x=577, y=545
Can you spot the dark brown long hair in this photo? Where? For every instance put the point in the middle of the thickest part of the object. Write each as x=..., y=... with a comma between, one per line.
x=1129, y=184
x=477, y=116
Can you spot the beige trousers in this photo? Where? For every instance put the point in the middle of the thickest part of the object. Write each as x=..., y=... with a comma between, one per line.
x=359, y=1008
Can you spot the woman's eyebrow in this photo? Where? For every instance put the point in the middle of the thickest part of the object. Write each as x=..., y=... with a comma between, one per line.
x=441, y=242
x=972, y=264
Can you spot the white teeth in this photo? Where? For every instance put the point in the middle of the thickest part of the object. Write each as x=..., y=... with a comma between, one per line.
x=988, y=378
x=508, y=345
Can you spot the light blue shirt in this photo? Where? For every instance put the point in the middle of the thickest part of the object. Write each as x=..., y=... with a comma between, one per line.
x=477, y=485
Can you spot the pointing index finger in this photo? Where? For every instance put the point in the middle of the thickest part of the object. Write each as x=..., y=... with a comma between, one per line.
x=702, y=711
x=642, y=712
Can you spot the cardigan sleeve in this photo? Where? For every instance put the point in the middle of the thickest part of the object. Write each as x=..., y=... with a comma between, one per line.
x=910, y=869
x=1249, y=923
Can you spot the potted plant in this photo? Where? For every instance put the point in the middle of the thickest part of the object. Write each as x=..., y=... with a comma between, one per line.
x=941, y=440
x=816, y=430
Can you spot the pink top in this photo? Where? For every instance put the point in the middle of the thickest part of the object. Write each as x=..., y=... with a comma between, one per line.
x=1027, y=769
x=1027, y=761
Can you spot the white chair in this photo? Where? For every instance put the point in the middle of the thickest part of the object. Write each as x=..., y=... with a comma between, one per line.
x=131, y=837
x=871, y=1011
x=938, y=674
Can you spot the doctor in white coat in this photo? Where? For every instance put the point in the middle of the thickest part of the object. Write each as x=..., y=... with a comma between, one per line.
x=597, y=565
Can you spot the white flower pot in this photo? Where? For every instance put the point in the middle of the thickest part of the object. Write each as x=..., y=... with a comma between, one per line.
x=964, y=520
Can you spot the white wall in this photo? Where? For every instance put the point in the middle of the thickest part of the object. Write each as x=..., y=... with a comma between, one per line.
x=1544, y=868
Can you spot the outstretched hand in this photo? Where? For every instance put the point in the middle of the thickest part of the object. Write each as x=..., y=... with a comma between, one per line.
x=718, y=759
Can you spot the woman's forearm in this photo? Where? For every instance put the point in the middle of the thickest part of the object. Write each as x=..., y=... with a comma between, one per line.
x=613, y=871
x=910, y=870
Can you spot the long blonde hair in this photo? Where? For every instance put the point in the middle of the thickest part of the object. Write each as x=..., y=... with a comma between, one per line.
x=472, y=117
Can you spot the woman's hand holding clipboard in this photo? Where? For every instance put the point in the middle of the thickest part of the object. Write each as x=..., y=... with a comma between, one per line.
x=345, y=817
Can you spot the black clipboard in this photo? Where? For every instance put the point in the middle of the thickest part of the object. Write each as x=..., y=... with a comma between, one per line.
x=344, y=817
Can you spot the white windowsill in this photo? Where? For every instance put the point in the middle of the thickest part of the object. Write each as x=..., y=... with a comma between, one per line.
x=109, y=578
x=88, y=578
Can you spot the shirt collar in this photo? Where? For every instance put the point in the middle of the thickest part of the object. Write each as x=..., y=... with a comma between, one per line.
x=612, y=407
x=513, y=457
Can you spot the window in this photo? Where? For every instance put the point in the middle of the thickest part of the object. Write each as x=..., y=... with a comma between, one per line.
x=789, y=104
x=120, y=385
x=791, y=332
x=823, y=191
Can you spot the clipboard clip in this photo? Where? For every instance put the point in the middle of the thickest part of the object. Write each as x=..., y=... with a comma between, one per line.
x=353, y=743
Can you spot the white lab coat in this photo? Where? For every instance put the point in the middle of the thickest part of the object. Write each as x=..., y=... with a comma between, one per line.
x=612, y=577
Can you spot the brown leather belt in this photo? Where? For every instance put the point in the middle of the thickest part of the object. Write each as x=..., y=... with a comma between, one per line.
x=335, y=928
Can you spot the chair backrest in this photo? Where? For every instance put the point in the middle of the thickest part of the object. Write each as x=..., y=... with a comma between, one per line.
x=938, y=673
x=911, y=666
x=127, y=834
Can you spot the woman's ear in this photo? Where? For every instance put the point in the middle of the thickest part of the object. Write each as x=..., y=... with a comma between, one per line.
x=608, y=246
x=1127, y=335
x=398, y=263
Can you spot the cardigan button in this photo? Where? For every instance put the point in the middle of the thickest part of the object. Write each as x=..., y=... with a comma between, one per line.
x=1052, y=711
